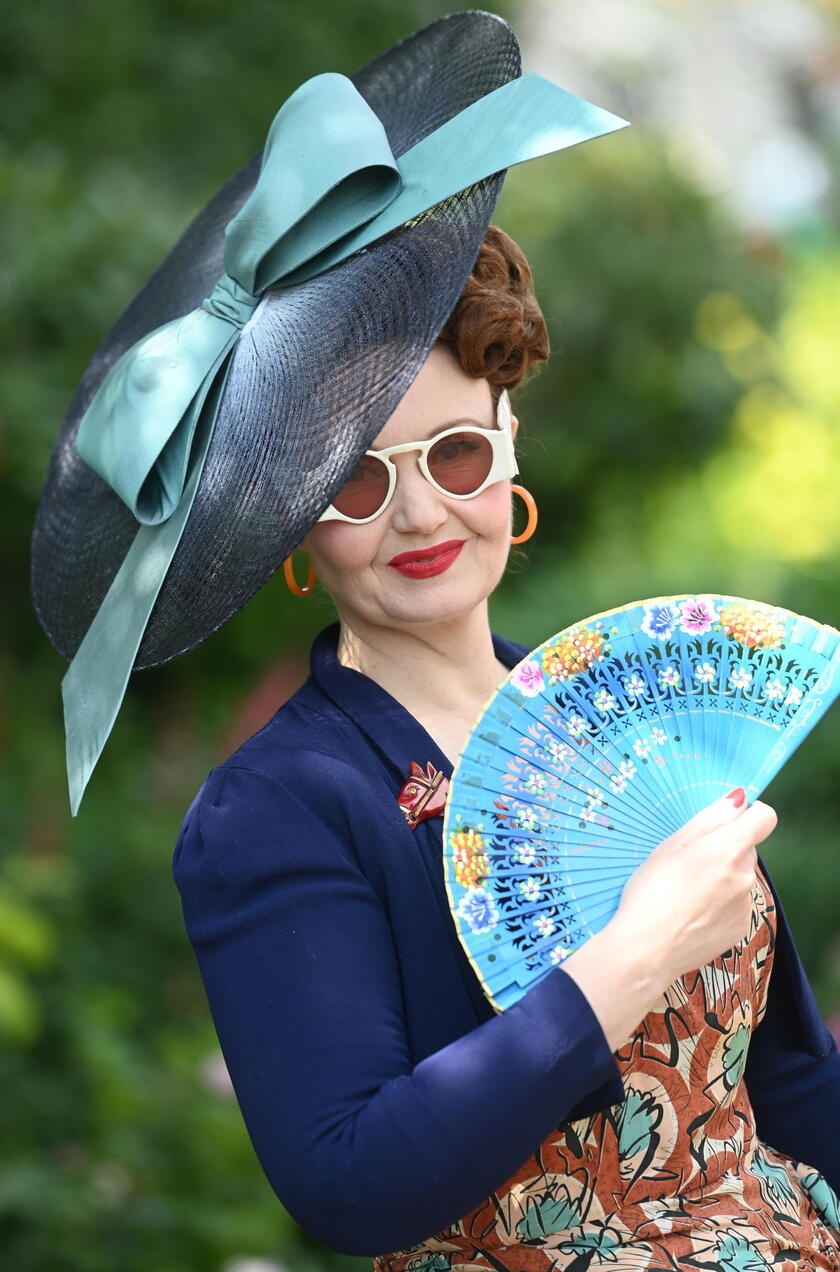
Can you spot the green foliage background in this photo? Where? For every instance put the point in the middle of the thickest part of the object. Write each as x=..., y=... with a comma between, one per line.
x=683, y=437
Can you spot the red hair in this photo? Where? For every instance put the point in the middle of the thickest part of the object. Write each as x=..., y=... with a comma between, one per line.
x=497, y=329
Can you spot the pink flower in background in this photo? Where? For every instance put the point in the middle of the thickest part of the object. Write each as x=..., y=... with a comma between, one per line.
x=528, y=678
x=697, y=614
x=214, y=1075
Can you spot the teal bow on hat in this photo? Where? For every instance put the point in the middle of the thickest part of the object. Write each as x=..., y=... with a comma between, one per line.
x=328, y=186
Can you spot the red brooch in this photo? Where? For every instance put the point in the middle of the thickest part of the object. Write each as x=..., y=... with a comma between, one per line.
x=423, y=795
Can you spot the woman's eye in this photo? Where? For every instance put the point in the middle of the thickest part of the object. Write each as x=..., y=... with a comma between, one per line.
x=365, y=470
x=455, y=448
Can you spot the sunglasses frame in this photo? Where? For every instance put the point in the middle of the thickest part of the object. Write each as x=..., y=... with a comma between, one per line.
x=503, y=463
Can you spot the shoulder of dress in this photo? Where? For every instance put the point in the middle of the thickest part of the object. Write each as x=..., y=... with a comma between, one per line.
x=303, y=766
x=306, y=725
x=308, y=771
x=292, y=806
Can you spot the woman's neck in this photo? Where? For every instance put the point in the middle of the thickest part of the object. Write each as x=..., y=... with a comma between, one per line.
x=438, y=671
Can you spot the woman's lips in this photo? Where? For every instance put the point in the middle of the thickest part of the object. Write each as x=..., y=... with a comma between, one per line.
x=428, y=561
x=424, y=554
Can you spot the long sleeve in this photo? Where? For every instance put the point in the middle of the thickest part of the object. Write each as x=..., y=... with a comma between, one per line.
x=792, y=1072
x=369, y=1152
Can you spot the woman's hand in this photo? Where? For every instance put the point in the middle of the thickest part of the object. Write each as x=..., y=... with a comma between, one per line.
x=691, y=898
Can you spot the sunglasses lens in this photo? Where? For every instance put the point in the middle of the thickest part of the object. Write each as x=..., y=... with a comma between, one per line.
x=365, y=489
x=460, y=462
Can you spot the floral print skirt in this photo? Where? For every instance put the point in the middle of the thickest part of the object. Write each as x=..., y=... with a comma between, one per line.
x=673, y=1177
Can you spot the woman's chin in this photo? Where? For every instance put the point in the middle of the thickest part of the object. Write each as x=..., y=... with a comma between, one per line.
x=424, y=605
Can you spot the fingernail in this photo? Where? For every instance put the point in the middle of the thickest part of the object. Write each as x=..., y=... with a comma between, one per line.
x=738, y=796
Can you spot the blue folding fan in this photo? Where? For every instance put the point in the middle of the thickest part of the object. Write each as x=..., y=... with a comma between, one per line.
x=599, y=745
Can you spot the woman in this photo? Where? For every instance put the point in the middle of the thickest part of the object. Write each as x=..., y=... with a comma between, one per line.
x=234, y=413
x=606, y=1117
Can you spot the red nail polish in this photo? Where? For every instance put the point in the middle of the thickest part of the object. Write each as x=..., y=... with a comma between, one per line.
x=738, y=796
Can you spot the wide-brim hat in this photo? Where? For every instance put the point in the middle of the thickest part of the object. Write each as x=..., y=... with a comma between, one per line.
x=161, y=529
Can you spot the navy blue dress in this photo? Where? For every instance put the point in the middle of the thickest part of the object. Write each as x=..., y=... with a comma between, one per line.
x=362, y=1050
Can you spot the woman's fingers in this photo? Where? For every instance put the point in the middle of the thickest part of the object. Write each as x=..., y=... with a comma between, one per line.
x=719, y=813
x=752, y=827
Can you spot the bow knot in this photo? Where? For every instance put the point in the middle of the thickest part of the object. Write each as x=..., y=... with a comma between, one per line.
x=231, y=302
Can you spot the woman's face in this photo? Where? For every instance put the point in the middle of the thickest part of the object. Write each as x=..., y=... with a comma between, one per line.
x=354, y=561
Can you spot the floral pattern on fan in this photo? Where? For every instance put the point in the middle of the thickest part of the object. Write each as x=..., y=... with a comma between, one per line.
x=747, y=623
x=602, y=742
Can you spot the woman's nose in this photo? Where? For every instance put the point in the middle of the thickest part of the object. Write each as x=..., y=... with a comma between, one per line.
x=416, y=506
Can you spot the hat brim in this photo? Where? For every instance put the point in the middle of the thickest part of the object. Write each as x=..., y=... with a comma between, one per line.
x=313, y=377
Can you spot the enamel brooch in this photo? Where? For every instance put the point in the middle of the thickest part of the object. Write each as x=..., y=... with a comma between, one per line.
x=424, y=794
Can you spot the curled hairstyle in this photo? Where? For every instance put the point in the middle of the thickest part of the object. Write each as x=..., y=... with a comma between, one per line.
x=497, y=329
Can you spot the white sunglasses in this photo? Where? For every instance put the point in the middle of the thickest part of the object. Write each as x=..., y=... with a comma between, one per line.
x=459, y=463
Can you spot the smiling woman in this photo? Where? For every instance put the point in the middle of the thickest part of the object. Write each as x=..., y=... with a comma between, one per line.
x=342, y=386
x=417, y=539
x=411, y=584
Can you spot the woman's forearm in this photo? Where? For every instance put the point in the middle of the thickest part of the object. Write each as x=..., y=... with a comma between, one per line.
x=620, y=978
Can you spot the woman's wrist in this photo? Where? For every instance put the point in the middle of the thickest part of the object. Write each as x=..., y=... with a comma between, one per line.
x=621, y=978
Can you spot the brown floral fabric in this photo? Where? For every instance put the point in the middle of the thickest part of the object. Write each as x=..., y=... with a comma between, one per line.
x=674, y=1177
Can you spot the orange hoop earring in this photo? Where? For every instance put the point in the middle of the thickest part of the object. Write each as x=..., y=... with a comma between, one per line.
x=531, y=505
x=289, y=574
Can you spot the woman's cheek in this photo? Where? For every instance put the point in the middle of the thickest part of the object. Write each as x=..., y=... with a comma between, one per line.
x=341, y=548
x=491, y=512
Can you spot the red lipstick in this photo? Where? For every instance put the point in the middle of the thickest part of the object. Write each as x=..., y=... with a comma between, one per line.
x=425, y=562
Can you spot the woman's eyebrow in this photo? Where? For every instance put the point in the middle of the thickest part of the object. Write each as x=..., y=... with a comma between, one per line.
x=466, y=419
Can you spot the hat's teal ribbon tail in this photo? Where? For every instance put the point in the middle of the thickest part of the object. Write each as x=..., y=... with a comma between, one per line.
x=94, y=684
x=328, y=186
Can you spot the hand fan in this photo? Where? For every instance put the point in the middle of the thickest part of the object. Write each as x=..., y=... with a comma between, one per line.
x=603, y=742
